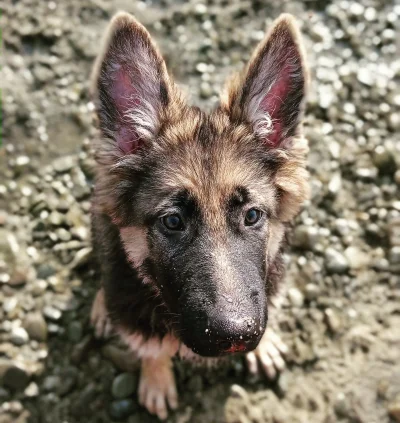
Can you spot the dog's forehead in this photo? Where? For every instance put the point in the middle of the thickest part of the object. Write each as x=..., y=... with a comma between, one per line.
x=213, y=162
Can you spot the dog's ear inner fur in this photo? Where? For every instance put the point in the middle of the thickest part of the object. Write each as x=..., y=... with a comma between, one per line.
x=270, y=93
x=131, y=85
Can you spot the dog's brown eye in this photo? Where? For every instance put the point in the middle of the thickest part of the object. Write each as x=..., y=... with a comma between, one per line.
x=252, y=217
x=173, y=222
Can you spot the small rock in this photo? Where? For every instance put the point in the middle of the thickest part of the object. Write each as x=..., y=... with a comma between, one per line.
x=15, y=378
x=394, y=255
x=123, y=385
x=64, y=164
x=56, y=218
x=52, y=313
x=45, y=270
x=19, y=336
x=52, y=383
x=122, y=359
x=305, y=237
x=394, y=409
x=32, y=390
x=312, y=291
x=384, y=160
x=335, y=183
x=296, y=297
x=81, y=258
x=36, y=326
x=206, y=90
x=341, y=406
x=356, y=258
x=75, y=331
x=335, y=261
x=332, y=320
x=121, y=409
x=69, y=379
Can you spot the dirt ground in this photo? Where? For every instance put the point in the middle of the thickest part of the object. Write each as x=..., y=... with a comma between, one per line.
x=341, y=314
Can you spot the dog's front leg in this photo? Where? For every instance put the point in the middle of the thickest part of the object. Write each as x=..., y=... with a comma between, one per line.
x=157, y=386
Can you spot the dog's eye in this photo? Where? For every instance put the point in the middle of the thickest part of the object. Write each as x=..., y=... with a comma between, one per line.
x=173, y=222
x=252, y=217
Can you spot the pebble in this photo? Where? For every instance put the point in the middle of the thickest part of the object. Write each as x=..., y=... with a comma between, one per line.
x=15, y=378
x=45, y=270
x=69, y=381
x=124, y=385
x=121, y=409
x=32, y=390
x=75, y=331
x=305, y=237
x=333, y=320
x=356, y=258
x=36, y=326
x=52, y=313
x=296, y=297
x=312, y=291
x=335, y=261
x=394, y=409
x=64, y=164
x=19, y=336
x=394, y=255
x=51, y=383
x=81, y=258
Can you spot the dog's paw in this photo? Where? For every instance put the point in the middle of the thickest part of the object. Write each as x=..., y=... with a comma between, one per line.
x=269, y=354
x=99, y=316
x=157, y=387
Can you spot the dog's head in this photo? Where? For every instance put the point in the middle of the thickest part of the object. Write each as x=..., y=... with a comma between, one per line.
x=201, y=200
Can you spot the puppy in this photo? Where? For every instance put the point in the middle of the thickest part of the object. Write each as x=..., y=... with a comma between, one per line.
x=189, y=208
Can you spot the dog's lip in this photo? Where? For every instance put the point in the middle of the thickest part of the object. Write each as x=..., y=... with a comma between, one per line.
x=236, y=347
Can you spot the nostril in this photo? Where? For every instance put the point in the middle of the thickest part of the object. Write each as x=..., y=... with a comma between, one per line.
x=224, y=345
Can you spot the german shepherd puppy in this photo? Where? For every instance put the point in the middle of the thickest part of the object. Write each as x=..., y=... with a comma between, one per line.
x=189, y=208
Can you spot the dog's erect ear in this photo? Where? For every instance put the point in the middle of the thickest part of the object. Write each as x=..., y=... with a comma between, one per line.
x=131, y=86
x=270, y=93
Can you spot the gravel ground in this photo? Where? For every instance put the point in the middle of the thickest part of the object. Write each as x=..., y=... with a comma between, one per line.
x=341, y=316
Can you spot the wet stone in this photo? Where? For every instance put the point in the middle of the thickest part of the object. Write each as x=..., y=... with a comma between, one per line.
x=69, y=380
x=52, y=383
x=124, y=385
x=15, y=378
x=121, y=409
x=75, y=331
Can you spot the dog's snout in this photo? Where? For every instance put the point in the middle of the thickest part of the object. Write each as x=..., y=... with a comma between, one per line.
x=232, y=334
x=224, y=333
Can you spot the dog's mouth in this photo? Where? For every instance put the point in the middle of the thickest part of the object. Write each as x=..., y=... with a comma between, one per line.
x=222, y=347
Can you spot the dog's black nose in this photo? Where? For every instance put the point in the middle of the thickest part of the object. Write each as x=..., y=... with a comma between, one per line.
x=232, y=334
x=220, y=334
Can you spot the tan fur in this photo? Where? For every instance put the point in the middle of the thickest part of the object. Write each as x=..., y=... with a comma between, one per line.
x=135, y=243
